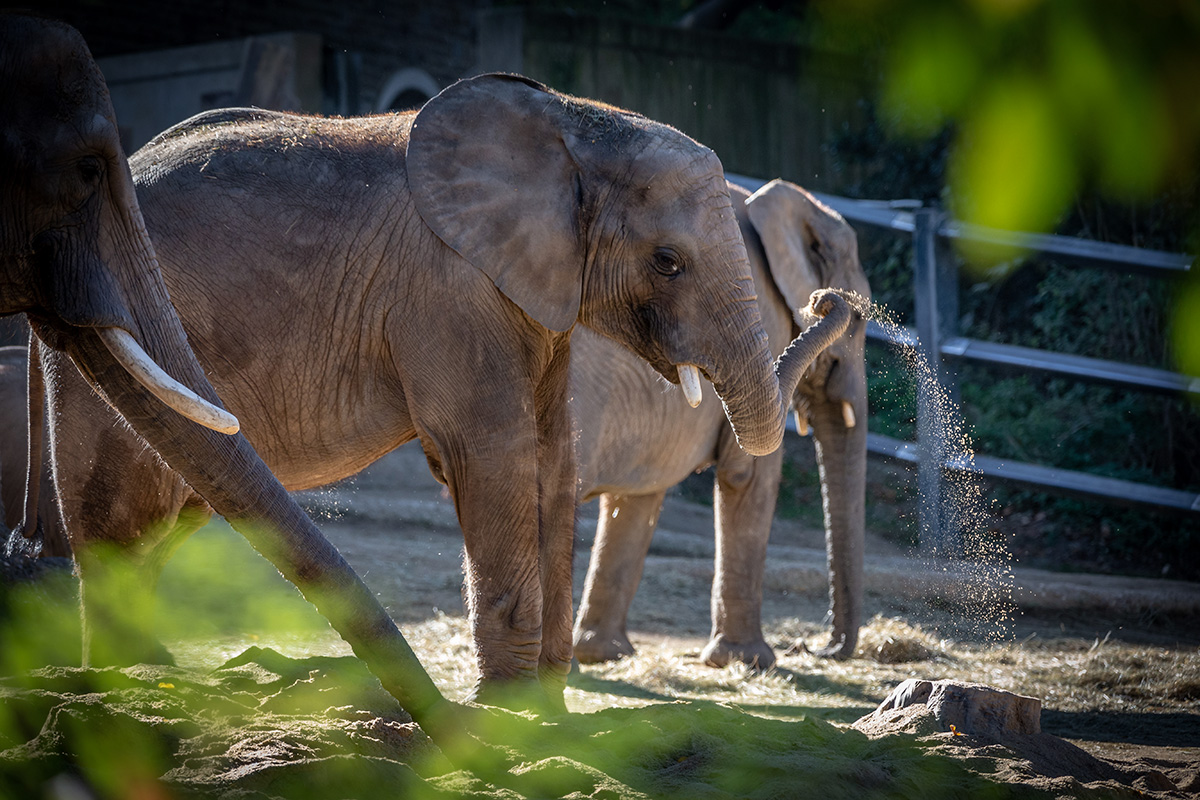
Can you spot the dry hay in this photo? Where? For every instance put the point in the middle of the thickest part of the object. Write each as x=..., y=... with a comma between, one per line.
x=244, y=722
x=894, y=641
x=268, y=724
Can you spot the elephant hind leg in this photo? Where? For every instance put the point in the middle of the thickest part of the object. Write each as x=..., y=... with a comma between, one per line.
x=623, y=535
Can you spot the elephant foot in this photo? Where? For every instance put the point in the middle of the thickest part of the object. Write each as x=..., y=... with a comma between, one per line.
x=840, y=648
x=553, y=678
x=756, y=654
x=595, y=647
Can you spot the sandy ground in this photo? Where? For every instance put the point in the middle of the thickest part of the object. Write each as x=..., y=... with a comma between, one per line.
x=281, y=728
x=671, y=610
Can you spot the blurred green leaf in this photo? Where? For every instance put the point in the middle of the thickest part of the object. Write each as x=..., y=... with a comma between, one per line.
x=1013, y=167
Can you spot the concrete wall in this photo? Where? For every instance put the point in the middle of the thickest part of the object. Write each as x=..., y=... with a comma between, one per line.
x=153, y=90
x=364, y=44
x=767, y=109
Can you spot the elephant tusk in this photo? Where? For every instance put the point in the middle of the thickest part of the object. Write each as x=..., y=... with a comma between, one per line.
x=689, y=381
x=130, y=355
x=848, y=414
x=801, y=422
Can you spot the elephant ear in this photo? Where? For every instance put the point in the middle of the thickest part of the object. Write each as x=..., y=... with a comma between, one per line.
x=798, y=234
x=492, y=174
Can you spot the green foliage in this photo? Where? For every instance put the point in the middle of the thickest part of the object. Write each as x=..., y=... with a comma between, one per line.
x=944, y=105
x=1045, y=96
x=217, y=585
x=39, y=620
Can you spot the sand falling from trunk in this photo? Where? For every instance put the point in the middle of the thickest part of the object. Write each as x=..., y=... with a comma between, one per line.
x=982, y=571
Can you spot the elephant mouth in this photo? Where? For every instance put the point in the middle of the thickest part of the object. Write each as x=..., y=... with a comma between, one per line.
x=803, y=404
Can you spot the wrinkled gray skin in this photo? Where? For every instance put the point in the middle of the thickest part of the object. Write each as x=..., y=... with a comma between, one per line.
x=14, y=455
x=637, y=440
x=351, y=284
x=75, y=257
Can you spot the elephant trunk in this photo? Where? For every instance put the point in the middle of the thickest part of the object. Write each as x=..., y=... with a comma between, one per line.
x=225, y=470
x=757, y=406
x=842, y=461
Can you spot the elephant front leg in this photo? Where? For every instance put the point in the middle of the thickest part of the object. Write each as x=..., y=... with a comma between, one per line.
x=118, y=582
x=493, y=482
x=623, y=533
x=744, y=505
x=504, y=605
x=556, y=519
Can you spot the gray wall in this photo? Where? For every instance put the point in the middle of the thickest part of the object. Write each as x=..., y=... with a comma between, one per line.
x=768, y=110
x=361, y=47
x=153, y=90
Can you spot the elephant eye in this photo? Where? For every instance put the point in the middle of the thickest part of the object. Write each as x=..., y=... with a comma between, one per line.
x=667, y=262
x=91, y=168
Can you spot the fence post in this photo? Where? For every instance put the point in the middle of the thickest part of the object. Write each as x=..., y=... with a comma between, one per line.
x=936, y=307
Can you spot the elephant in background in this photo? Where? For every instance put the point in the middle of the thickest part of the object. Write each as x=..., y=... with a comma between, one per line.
x=76, y=259
x=636, y=441
x=14, y=457
x=418, y=275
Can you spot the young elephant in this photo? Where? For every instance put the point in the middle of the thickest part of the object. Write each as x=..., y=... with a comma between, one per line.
x=351, y=284
x=636, y=441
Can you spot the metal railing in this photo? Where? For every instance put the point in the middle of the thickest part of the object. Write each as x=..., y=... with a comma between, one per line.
x=935, y=281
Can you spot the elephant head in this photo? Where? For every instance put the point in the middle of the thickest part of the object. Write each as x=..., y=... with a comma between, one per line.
x=75, y=257
x=631, y=226
x=809, y=246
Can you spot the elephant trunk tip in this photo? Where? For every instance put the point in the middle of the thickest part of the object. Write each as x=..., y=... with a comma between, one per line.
x=759, y=445
x=824, y=302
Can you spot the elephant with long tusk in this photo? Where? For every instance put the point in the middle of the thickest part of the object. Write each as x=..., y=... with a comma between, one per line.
x=636, y=441
x=76, y=259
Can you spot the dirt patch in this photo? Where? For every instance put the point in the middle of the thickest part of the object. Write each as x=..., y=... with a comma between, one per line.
x=269, y=705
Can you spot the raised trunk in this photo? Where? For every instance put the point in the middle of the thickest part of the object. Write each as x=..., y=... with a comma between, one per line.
x=842, y=461
x=756, y=405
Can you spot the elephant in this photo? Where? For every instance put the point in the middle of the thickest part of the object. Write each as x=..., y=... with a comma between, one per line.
x=351, y=284
x=76, y=259
x=636, y=441
x=14, y=458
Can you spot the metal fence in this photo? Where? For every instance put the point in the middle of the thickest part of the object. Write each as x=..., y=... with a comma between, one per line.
x=935, y=283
